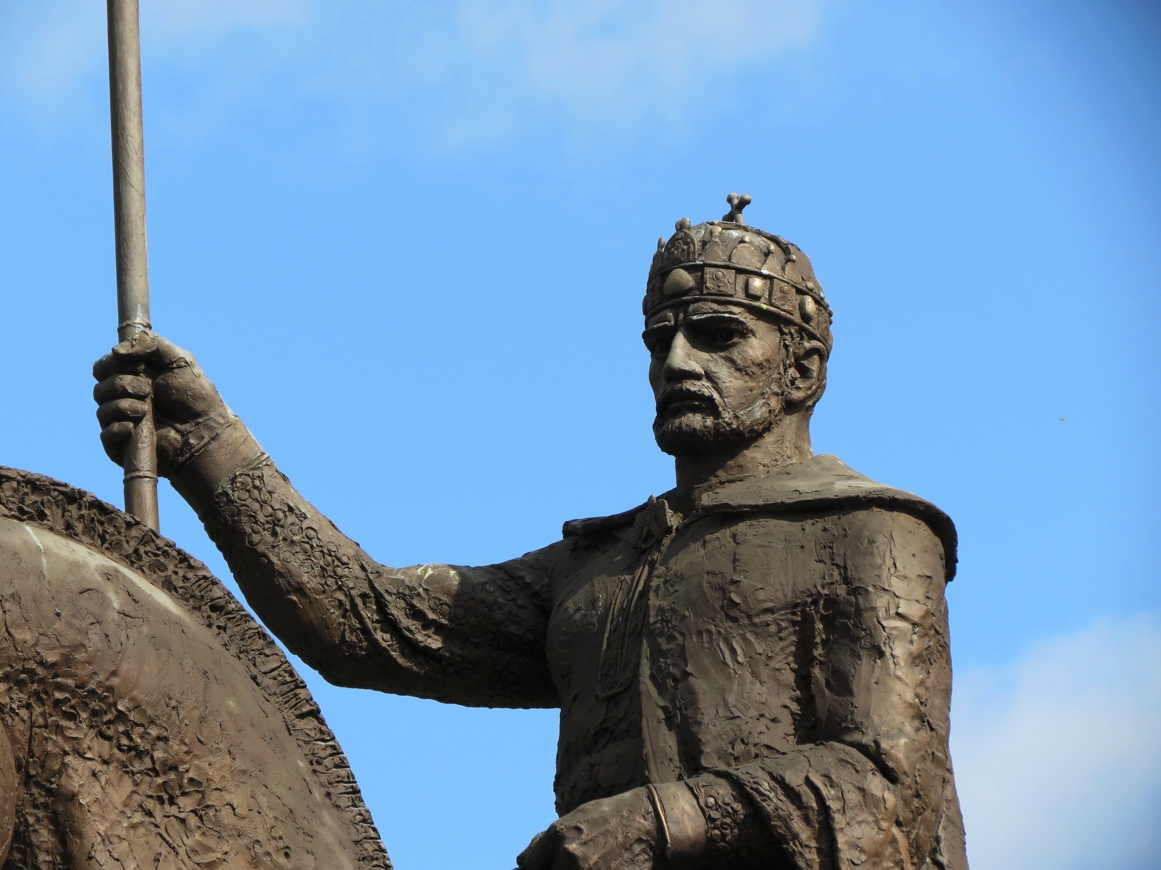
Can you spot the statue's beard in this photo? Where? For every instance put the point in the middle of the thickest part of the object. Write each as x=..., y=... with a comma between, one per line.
x=693, y=420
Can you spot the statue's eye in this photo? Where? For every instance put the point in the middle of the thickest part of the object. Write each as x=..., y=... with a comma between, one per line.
x=720, y=334
x=658, y=340
x=726, y=335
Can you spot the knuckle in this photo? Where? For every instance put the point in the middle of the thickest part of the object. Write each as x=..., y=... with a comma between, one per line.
x=115, y=433
x=132, y=385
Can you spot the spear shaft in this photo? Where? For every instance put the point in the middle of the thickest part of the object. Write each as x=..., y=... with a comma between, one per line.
x=140, y=461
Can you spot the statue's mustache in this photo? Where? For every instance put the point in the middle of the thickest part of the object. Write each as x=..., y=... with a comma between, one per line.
x=696, y=396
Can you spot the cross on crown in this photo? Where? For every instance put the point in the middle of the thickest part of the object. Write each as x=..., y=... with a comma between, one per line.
x=737, y=203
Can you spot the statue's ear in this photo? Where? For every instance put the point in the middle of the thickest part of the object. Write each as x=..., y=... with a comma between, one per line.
x=808, y=375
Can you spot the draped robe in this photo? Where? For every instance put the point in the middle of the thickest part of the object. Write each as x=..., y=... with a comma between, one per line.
x=782, y=649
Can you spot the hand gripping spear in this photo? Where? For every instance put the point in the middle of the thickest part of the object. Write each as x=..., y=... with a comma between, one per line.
x=140, y=461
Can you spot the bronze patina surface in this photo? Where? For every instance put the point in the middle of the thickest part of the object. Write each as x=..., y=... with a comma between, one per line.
x=146, y=720
x=752, y=669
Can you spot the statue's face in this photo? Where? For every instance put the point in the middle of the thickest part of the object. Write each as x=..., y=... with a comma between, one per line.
x=716, y=372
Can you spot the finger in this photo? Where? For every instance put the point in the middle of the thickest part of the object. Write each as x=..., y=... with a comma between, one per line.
x=151, y=348
x=107, y=366
x=143, y=348
x=121, y=410
x=114, y=436
x=122, y=387
x=124, y=358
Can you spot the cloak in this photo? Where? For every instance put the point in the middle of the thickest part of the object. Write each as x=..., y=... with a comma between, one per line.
x=782, y=650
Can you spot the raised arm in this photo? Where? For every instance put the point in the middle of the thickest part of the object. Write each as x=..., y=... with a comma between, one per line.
x=473, y=636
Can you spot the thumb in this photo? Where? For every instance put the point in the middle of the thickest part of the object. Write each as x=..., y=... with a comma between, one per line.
x=145, y=348
x=157, y=352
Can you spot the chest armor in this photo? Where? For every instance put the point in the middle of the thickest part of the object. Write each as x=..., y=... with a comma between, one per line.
x=682, y=646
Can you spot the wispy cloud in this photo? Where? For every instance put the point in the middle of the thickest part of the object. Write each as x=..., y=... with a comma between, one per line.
x=453, y=69
x=605, y=61
x=47, y=49
x=1058, y=759
x=51, y=44
x=188, y=18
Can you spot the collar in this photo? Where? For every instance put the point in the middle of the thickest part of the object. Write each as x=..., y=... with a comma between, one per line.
x=822, y=483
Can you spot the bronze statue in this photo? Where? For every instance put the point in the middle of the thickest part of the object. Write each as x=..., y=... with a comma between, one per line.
x=147, y=721
x=752, y=668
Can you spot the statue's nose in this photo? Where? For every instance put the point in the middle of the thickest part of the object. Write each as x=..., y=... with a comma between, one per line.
x=681, y=363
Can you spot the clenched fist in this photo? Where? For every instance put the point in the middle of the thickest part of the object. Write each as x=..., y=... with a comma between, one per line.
x=199, y=440
x=641, y=829
x=615, y=833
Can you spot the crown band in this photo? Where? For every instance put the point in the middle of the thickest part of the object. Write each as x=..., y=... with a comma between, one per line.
x=762, y=307
x=746, y=270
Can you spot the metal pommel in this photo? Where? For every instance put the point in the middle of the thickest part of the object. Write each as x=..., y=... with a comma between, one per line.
x=727, y=261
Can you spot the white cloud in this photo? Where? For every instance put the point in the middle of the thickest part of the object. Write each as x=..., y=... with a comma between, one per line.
x=625, y=56
x=453, y=69
x=53, y=52
x=1058, y=759
x=46, y=49
x=185, y=18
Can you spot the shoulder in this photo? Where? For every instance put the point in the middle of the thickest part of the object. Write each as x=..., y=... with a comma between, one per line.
x=596, y=525
x=883, y=541
x=824, y=484
x=821, y=484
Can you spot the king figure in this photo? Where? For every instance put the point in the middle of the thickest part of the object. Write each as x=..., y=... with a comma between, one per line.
x=752, y=668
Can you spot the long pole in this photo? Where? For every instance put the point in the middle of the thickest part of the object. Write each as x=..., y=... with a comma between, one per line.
x=132, y=252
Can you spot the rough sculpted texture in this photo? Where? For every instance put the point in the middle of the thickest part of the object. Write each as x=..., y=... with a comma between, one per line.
x=753, y=669
x=415, y=630
x=783, y=649
x=152, y=722
x=732, y=825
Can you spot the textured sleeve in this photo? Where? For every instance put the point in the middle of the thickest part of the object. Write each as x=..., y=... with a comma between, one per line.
x=471, y=636
x=869, y=785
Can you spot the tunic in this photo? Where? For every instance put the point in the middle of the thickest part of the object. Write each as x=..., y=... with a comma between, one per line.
x=783, y=650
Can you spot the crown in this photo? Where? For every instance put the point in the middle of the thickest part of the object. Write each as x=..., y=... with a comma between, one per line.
x=728, y=261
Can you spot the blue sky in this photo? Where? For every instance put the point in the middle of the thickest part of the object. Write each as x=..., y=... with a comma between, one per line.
x=408, y=242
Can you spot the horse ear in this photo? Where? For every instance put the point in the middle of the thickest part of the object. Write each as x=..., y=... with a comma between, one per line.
x=8, y=786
